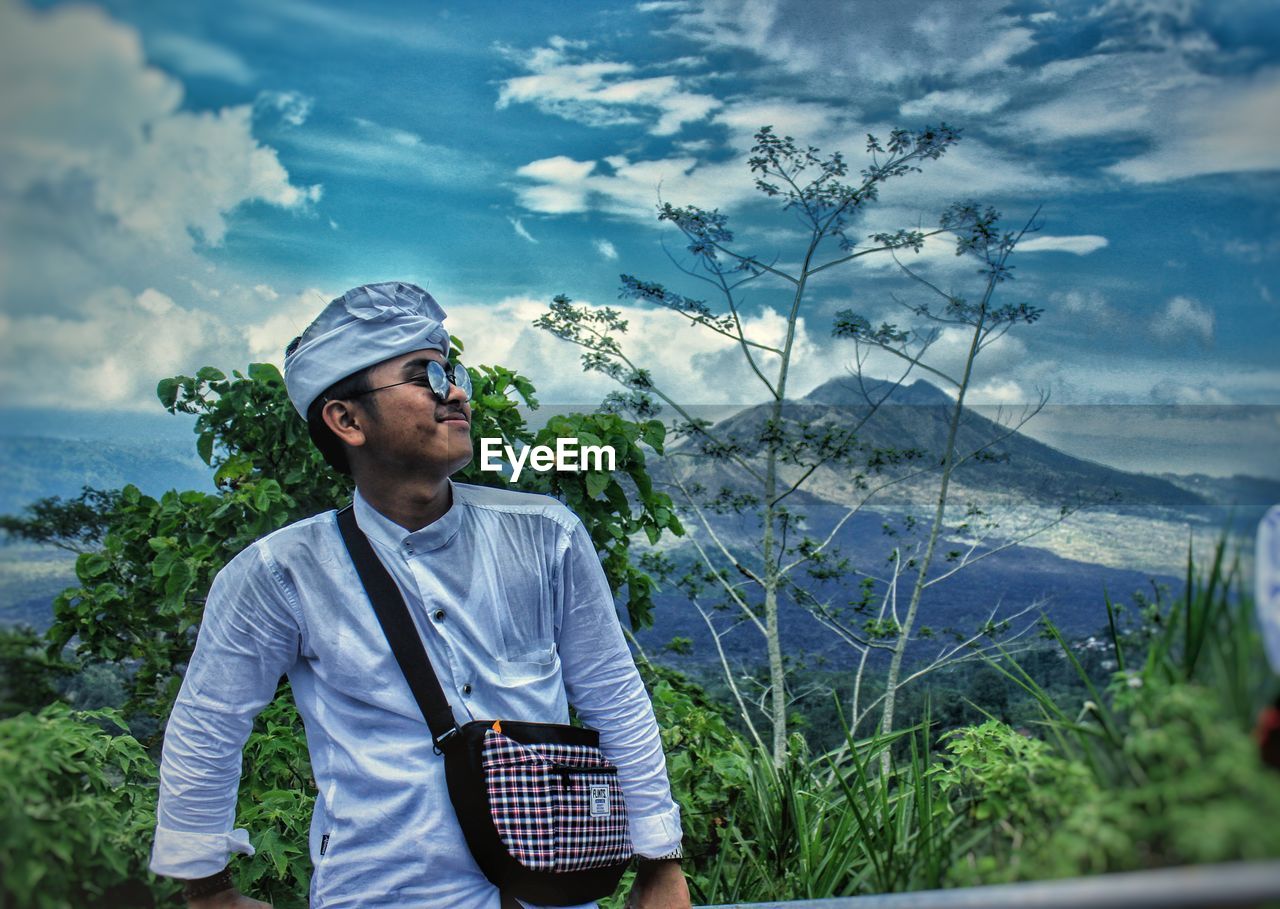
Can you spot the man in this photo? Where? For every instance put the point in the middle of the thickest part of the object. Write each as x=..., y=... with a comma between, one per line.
x=507, y=593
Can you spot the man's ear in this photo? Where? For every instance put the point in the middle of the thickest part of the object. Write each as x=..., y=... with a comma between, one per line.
x=346, y=420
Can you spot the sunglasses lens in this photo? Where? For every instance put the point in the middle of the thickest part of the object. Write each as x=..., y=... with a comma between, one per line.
x=462, y=379
x=439, y=380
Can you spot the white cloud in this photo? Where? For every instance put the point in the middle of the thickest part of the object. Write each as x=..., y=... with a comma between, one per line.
x=957, y=101
x=1171, y=391
x=364, y=27
x=376, y=150
x=110, y=190
x=519, y=228
x=112, y=348
x=113, y=131
x=1194, y=121
x=110, y=352
x=880, y=44
x=606, y=249
x=971, y=169
x=292, y=107
x=1226, y=127
x=663, y=6
x=197, y=57
x=601, y=92
x=1183, y=316
x=809, y=122
x=562, y=185
x=1104, y=95
x=697, y=366
x=1087, y=309
x=621, y=185
x=1080, y=245
x=265, y=340
x=1000, y=391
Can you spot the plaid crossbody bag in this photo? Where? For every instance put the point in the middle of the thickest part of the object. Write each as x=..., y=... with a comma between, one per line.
x=539, y=804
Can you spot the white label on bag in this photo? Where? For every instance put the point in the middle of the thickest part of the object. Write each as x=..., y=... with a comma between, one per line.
x=599, y=801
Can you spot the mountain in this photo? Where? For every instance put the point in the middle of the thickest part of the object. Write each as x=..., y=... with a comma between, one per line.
x=917, y=417
x=1126, y=530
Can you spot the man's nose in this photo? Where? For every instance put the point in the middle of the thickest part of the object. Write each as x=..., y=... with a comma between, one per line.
x=456, y=394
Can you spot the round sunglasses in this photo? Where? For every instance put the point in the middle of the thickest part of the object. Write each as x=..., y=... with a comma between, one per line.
x=438, y=377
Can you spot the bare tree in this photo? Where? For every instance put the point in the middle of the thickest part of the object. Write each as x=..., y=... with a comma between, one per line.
x=983, y=322
x=779, y=456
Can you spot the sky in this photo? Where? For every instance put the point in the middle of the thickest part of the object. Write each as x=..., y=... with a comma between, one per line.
x=186, y=184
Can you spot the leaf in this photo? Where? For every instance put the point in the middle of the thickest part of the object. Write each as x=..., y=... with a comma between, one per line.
x=92, y=565
x=181, y=577
x=164, y=562
x=167, y=392
x=654, y=434
x=204, y=447
x=597, y=481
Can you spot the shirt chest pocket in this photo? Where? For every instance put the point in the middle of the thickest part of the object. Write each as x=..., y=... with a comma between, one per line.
x=530, y=667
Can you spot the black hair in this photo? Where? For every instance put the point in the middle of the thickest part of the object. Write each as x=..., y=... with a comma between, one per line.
x=331, y=447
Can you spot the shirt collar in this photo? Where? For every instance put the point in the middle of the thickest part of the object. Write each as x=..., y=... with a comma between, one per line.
x=381, y=529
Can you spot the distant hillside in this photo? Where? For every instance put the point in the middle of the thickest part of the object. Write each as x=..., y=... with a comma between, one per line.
x=1071, y=593
x=33, y=467
x=1247, y=492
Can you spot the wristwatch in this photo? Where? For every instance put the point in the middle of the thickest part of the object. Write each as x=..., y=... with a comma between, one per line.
x=207, y=886
x=674, y=855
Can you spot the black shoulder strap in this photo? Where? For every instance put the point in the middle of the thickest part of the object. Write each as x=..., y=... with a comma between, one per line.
x=398, y=626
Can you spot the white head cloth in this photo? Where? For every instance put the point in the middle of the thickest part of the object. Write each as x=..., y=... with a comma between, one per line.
x=362, y=327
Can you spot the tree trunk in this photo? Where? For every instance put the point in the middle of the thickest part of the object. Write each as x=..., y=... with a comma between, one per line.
x=935, y=531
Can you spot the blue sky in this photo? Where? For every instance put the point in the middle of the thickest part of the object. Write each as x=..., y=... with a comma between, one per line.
x=186, y=184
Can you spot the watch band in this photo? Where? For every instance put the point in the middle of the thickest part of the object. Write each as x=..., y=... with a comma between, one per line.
x=208, y=886
x=674, y=855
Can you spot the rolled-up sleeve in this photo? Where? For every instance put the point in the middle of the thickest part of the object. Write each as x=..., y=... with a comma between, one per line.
x=249, y=637
x=605, y=689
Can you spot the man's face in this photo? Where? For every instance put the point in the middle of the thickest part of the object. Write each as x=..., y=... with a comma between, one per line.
x=408, y=428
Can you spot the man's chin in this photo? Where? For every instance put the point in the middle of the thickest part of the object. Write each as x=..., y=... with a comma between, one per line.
x=462, y=459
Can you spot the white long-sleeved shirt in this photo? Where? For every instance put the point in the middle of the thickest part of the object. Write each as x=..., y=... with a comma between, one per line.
x=515, y=614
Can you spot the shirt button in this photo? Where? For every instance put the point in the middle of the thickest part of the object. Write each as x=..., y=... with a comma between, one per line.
x=439, y=615
x=466, y=689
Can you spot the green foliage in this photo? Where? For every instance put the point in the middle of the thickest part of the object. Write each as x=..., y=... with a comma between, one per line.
x=1170, y=774
x=29, y=677
x=277, y=794
x=833, y=826
x=247, y=430
x=1012, y=789
x=77, y=810
x=141, y=596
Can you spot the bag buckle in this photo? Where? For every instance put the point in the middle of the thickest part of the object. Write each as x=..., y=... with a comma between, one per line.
x=438, y=744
